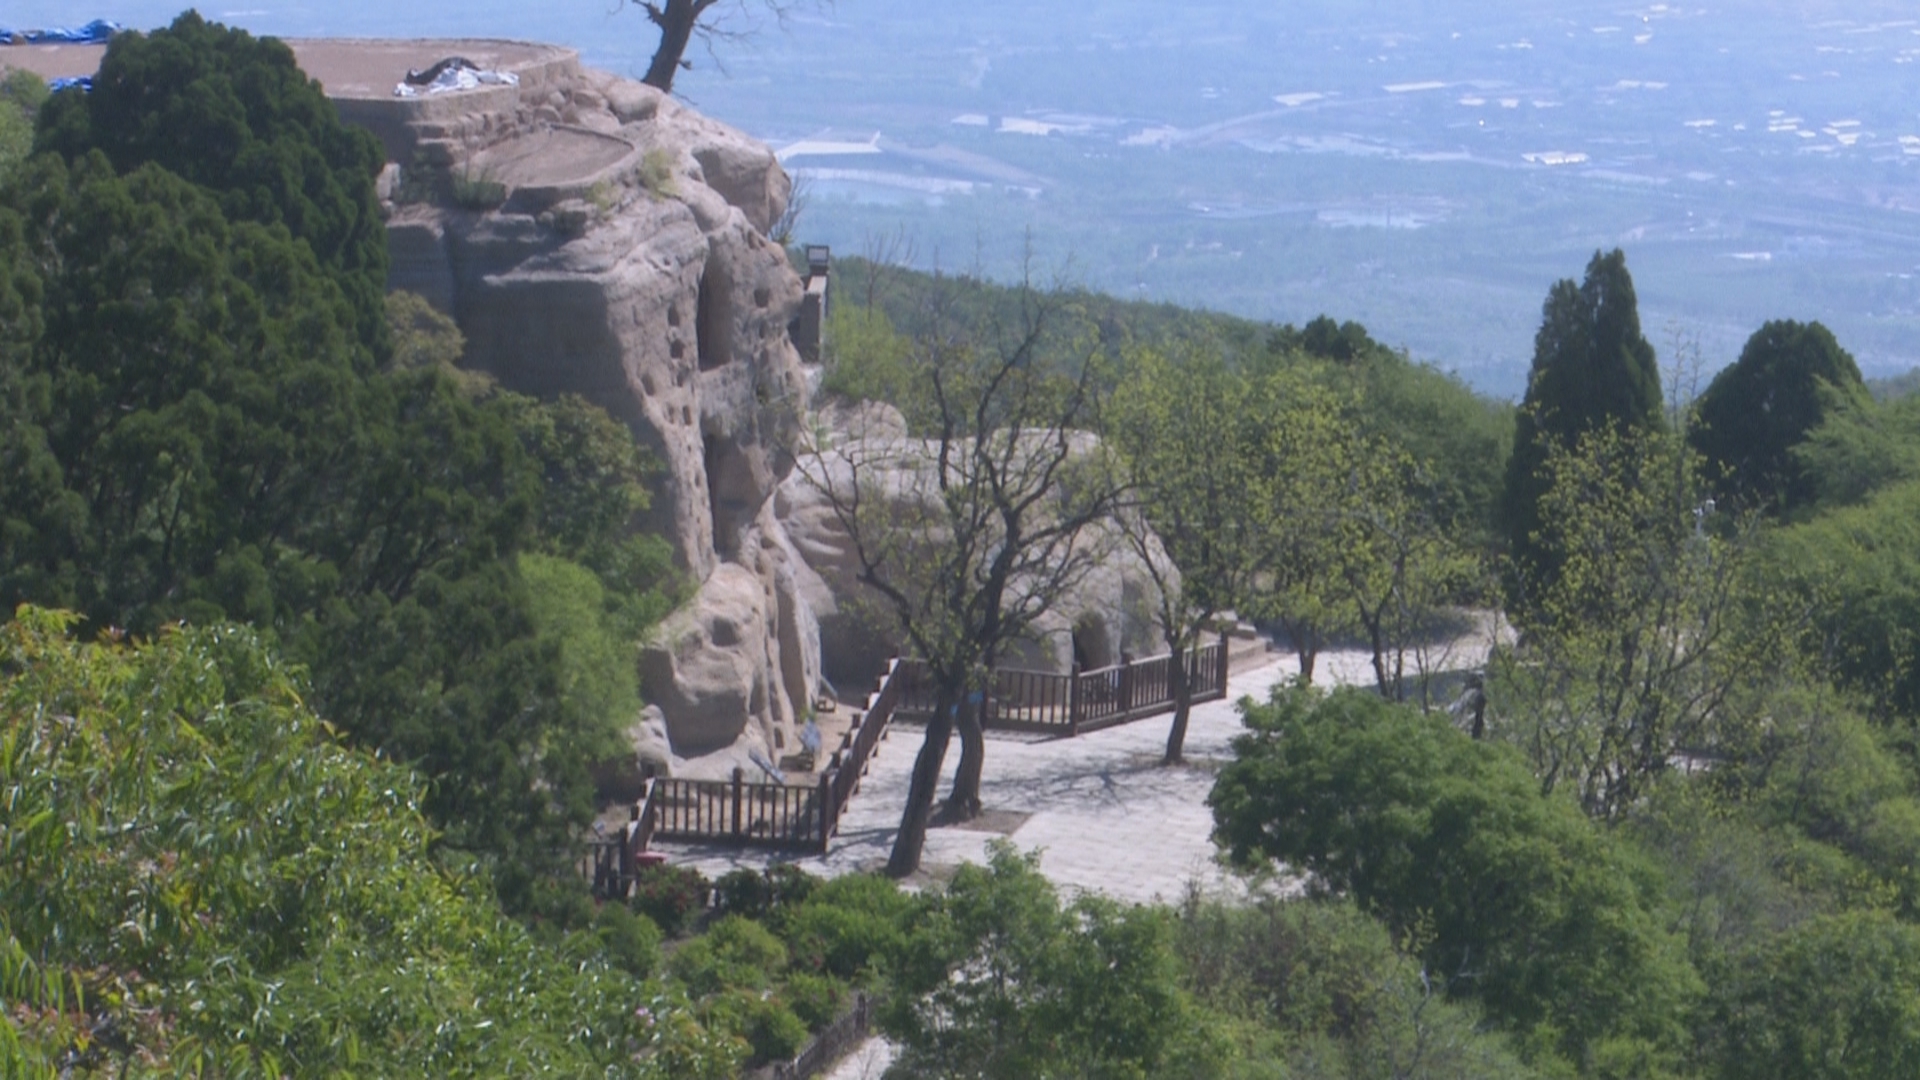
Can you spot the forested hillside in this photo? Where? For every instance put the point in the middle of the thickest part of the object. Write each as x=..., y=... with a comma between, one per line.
x=313, y=641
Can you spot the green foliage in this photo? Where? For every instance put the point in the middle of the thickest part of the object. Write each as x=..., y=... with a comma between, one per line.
x=631, y=941
x=657, y=175
x=22, y=93
x=1834, y=999
x=477, y=190
x=1457, y=441
x=1321, y=990
x=850, y=927
x=1861, y=450
x=423, y=337
x=866, y=359
x=598, y=676
x=1592, y=370
x=1000, y=981
x=670, y=895
x=197, y=435
x=816, y=999
x=771, y=1030
x=1656, y=615
x=1854, y=569
x=235, y=116
x=1790, y=377
x=735, y=953
x=1512, y=896
x=203, y=868
x=761, y=894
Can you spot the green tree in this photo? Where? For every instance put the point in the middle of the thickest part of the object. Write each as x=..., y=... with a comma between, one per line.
x=1790, y=377
x=967, y=537
x=198, y=879
x=1192, y=446
x=1520, y=902
x=1833, y=999
x=22, y=93
x=1321, y=990
x=235, y=115
x=1657, y=617
x=999, y=980
x=1592, y=369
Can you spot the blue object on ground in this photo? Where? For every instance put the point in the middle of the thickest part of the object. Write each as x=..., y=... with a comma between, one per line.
x=82, y=83
x=94, y=33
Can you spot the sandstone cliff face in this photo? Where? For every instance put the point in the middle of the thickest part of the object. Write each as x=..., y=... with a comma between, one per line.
x=628, y=262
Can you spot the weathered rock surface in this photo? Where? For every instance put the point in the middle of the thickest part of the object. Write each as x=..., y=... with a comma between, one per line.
x=627, y=261
x=1107, y=613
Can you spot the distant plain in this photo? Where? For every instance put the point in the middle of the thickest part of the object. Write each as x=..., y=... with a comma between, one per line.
x=1425, y=168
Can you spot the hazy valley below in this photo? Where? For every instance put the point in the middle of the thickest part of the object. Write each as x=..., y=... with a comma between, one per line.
x=1426, y=169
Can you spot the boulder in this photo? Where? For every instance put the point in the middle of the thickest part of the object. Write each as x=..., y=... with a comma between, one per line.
x=1107, y=613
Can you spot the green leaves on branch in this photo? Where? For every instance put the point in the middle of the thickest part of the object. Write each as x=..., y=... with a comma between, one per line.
x=1653, y=619
x=224, y=889
x=1519, y=901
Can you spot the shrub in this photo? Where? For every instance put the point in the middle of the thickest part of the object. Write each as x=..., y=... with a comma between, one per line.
x=632, y=942
x=771, y=1030
x=756, y=894
x=669, y=894
x=816, y=999
x=736, y=954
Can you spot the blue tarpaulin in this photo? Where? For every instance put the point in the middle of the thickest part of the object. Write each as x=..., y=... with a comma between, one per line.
x=82, y=83
x=94, y=33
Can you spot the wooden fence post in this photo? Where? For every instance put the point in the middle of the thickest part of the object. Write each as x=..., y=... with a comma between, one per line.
x=1073, y=701
x=738, y=777
x=829, y=813
x=1223, y=663
x=1126, y=684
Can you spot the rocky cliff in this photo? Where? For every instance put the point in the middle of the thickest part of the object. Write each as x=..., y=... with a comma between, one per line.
x=593, y=236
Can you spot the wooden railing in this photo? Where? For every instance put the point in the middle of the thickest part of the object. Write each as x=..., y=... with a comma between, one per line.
x=806, y=817
x=1049, y=703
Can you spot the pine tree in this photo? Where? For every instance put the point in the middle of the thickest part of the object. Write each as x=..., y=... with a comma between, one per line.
x=1790, y=377
x=1592, y=368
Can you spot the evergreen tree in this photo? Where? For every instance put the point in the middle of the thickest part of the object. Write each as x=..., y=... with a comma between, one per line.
x=1592, y=368
x=234, y=114
x=1790, y=377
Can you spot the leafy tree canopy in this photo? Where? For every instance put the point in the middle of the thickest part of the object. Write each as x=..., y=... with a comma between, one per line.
x=198, y=880
x=1519, y=901
x=195, y=428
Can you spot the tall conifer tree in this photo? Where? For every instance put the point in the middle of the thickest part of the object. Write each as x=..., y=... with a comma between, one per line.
x=1592, y=368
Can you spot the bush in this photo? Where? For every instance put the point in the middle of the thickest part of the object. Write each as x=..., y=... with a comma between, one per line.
x=632, y=942
x=816, y=999
x=669, y=895
x=771, y=1030
x=757, y=894
x=850, y=926
x=736, y=954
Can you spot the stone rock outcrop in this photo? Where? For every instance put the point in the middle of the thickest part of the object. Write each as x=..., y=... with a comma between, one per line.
x=592, y=236
x=1109, y=612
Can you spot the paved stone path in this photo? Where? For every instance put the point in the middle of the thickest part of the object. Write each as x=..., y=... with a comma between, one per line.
x=1105, y=815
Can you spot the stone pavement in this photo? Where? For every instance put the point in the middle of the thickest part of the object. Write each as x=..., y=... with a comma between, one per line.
x=1105, y=815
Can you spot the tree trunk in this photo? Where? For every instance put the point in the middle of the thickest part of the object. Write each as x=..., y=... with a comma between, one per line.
x=676, y=19
x=963, y=803
x=1182, y=687
x=912, y=837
